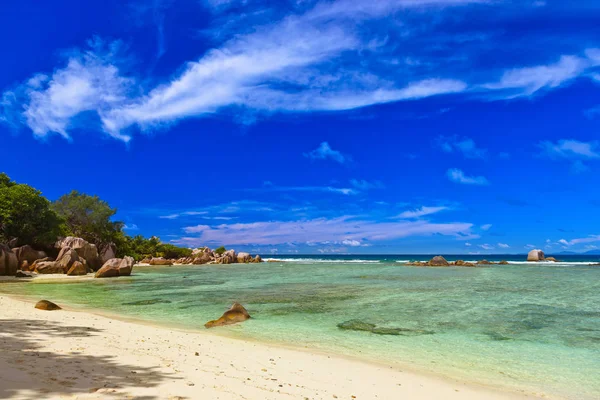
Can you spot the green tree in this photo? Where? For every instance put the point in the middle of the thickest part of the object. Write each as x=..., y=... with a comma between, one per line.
x=26, y=215
x=220, y=250
x=89, y=217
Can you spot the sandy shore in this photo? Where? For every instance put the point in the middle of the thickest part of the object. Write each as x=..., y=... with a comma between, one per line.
x=71, y=354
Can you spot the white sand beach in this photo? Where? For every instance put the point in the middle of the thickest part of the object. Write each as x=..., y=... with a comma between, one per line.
x=70, y=354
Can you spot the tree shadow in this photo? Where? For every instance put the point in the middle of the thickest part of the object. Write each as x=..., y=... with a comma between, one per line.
x=36, y=374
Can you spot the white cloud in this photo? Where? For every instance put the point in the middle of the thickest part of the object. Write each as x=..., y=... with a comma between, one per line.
x=353, y=243
x=589, y=239
x=183, y=214
x=486, y=246
x=465, y=146
x=319, y=230
x=421, y=212
x=90, y=82
x=468, y=244
x=324, y=152
x=458, y=176
x=503, y=245
x=130, y=227
x=571, y=149
x=529, y=246
x=486, y=227
x=527, y=81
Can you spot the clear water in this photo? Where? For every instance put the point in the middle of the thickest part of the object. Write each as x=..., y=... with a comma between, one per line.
x=531, y=327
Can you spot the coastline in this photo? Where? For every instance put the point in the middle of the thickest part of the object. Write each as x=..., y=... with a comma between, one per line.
x=94, y=355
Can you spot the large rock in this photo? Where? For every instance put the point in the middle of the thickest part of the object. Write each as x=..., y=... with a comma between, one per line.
x=46, y=305
x=78, y=268
x=257, y=259
x=29, y=254
x=126, y=266
x=438, y=261
x=244, y=257
x=536, y=255
x=231, y=256
x=237, y=313
x=66, y=258
x=108, y=252
x=84, y=249
x=48, y=267
x=9, y=264
x=202, y=258
x=160, y=261
x=116, y=267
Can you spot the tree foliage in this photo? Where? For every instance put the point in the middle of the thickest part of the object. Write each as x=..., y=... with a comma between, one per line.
x=139, y=248
x=26, y=214
x=88, y=217
x=220, y=250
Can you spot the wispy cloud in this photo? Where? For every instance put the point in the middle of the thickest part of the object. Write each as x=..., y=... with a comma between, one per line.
x=366, y=185
x=503, y=245
x=465, y=146
x=90, y=82
x=183, y=214
x=486, y=246
x=325, y=152
x=486, y=227
x=345, y=228
x=458, y=176
x=573, y=150
x=573, y=242
x=528, y=81
x=421, y=212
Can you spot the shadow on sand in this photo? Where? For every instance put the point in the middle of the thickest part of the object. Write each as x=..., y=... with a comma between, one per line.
x=38, y=374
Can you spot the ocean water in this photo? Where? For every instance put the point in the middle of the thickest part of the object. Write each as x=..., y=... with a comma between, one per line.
x=532, y=327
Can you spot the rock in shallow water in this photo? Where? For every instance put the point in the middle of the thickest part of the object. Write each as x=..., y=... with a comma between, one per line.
x=46, y=305
x=237, y=313
x=358, y=325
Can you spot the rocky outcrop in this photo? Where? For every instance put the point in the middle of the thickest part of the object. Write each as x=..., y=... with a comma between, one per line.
x=484, y=262
x=108, y=252
x=116, y=267
x=9, y=264
x=84, y=249
x=202, y=258
x=48, y=267
x=29, y=254
x=244, y=257
x=438, y=261
x=160, y=261
x=503, y=262
x=126, y=266
x=536, y=255
x=237, y=313
x=78, y=268
x=551, y=259
x=257, y=259
x=67, y=257
x=46, y=305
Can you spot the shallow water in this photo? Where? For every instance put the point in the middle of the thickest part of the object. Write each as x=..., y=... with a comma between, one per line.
x=532, y=327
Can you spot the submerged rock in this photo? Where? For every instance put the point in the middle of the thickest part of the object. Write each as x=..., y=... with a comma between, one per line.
x=551, y=259
x=46, y=305
x=147, y=302
x=358, y=325
x=503, y=262
x=237, y=313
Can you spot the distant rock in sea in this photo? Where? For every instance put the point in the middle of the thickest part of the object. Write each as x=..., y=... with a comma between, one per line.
x=536, y=255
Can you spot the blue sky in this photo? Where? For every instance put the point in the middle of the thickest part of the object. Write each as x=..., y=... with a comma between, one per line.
x=407, y=126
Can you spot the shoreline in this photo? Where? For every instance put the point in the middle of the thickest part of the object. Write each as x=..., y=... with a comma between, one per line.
x=303, y=369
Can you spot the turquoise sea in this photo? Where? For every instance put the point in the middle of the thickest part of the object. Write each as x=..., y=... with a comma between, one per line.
x=529, y=327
